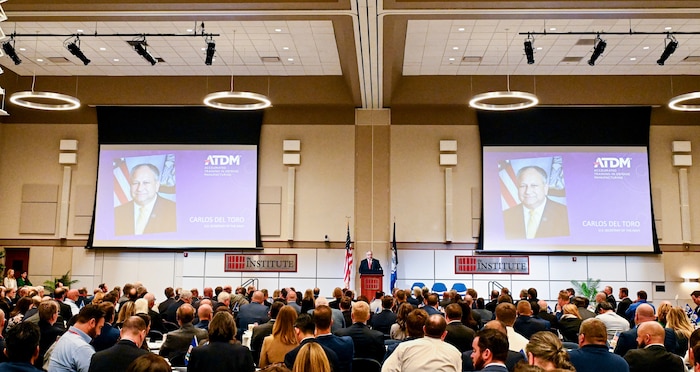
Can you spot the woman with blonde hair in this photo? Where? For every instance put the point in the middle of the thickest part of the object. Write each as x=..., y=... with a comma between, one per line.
x=570, y=323
x=312, y=358
x=10, y=282
x=97, y=299
x=546, y=351
x=678, y=321
x=126, y=310
x=662, y=311
x=282, y=340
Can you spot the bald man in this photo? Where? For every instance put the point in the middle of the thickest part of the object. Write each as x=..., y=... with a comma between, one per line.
x=628, y=340
x=652, y=355
x=254, y=312
x=176, y=344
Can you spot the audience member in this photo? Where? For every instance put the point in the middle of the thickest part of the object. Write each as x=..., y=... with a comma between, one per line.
x=149, y=362
x=614, y=324
x=305, y=328
x=178, y=342
x=48, y=314
x=171, y=313
x=118, y=357
x=282, y=339
x=624, y=304
x=641, y=299
x=398, y=329
x=582, y=306
x=204, y=313
x=73, y=351
x=21, y=348
x=346, y=310
x=383, y=321
x=505, y=313
x=415, y=322
x=169, y=300
x=570, y=323
x=252, y=313
x=428, y=353
x=629, y=340
x=678, y=321
x=342, y=346
x=651, y=355
x=593, y=354
x=368, y=342
x=311, y=358
x=545, y=350
x=308, y=302
x=608, y=290
x=490, y=351
x=156, y=319
x=431, y=304
x=338, y=317
x=110, y=334
x=525, y=323
x=458, y=335
x=221, y=353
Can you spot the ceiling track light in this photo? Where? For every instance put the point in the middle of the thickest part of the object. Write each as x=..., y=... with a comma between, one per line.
x=529, y=52
x=211, y=50
x=141, y=47
x=599, y=48
x=9, y=49
x=671, y=45
x=74, y=49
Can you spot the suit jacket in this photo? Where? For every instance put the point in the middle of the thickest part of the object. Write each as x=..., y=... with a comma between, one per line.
x=291, y=356
x=597, y=358
x=162, y=219
x=65, y=312
x=623, y=306
x=654, y=358
x=107, y=338
x=49, y=335
x=495, y=368
x=611, y=300
x=170, y=313
x=156, y=321
x=528, y=325
x=116, y=358
x=368, y=342
x=342, y=346
x=163, y=306
x=554, y=221
x=512, y=359
x=176, y=344
x=376, y=267
x=460, y=336
x=382, y=322
x=627, y=341
x=220, y=357
x=249, y=314
x=551, y=318
x=259, y=334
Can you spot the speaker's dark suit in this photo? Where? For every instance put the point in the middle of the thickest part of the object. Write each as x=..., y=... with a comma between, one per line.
x=459, y=335
x=554, y=221
x=628, y=341
x=368, y=342
x=116, y=358
x=654, y=358
x=376, y=267
x=221, y=357
x=162, y=218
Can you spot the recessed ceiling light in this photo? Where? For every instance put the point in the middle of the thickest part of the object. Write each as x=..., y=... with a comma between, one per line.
x=39, y=60
x=461, y=29
x=452, y=59
x=278, y=30
x=455, y=48
x=80, y=31
x=23, y=49
x=116, y=60
x=103, y=49
x=290, y=59
x=668, y=28
x=539, y=48
x=285, y=48
x=552, y=29
x=646, y=48
x=204, y=48
x=189, y=30
x=633, y=59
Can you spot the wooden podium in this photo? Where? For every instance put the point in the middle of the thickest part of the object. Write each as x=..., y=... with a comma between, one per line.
x=370, y=284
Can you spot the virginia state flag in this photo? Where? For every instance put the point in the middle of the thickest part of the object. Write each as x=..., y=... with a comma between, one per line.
x=394, y=261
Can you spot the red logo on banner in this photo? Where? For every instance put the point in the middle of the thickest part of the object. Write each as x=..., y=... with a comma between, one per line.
x=234, y=262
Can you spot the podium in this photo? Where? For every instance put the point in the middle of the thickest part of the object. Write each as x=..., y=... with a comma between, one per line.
x=370, y=284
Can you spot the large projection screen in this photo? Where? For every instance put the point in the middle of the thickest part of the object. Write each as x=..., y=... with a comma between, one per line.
x=558, y=181
x=176, y=178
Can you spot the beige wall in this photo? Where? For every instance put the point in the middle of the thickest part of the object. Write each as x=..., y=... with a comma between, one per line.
x=374, y=173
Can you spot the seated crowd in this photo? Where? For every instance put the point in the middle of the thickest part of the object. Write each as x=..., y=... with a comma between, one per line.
x=245, y=329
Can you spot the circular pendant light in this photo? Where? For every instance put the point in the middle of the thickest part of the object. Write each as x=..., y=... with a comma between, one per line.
x=215, y=99
x=63, y=102
x=479, y=101
x=676, y=103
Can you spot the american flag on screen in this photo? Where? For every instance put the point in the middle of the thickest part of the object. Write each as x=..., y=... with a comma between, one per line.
x=121, y=181
x=347, y=269
x=508, y=182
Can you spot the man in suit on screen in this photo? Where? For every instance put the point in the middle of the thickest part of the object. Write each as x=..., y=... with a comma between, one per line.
x=147, y=212
x=536, y=216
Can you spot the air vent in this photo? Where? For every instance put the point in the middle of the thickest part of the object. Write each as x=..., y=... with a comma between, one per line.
x=588, y=41
x=692, y=59
x=571, y=59
x=59, y=60
x=471, y=59
x=270, y=59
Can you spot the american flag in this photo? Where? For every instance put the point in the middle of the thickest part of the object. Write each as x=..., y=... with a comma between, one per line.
x=348, y=259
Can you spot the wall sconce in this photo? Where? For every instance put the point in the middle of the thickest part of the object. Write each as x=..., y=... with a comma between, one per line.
x=691, y=280
x=291, y=154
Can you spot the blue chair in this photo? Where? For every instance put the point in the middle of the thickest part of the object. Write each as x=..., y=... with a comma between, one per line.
x=439, y=288
x=460, y=288
x=417, y=284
